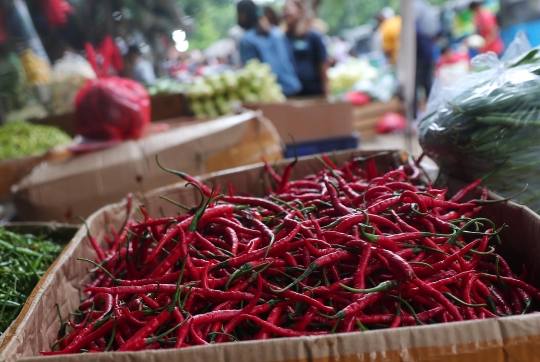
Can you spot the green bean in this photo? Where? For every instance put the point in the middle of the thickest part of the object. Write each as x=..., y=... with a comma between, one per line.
x=25, y=258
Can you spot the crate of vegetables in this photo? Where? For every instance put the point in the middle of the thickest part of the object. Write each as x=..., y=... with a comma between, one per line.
x=349, y=258
x=29, y=251
x=22, y=147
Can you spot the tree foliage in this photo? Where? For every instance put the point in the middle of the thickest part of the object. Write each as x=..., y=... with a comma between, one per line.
x=214, y=17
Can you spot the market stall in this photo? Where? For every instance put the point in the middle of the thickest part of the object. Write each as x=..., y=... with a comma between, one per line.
x=192, y=238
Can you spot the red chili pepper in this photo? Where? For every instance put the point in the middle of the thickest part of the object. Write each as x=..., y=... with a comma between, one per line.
x=278, y=330
x=464, y=191
x=274, y=315
x=254, y=202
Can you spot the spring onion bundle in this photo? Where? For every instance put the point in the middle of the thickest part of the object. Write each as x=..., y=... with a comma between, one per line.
x=24, y=260
x=492, y=130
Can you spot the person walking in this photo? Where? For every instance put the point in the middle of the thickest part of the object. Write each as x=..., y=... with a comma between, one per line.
x=268, y=44
x=488, y=28
x=389, y=33
x=310, y=54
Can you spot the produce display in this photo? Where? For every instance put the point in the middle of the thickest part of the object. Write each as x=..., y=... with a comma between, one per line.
x=19, y=139
x=165, y=86
x=37, y=69
x=14, y=93
x=212, y=95
x=25, y=258
x=346, y=249
x=491, y=129
x=344, y=76
x=69, y=75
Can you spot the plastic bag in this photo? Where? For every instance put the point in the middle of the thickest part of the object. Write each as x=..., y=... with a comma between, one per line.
x=69, y=75
x=391, y=122
x=56, y=12
x=487, y=124
x=111, y=108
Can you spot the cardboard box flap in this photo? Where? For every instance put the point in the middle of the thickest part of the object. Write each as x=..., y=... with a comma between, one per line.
x=309, y=120
x=84, y=183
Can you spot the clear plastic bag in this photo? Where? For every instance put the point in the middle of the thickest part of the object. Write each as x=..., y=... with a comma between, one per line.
x=69, y=75
x=487, y=124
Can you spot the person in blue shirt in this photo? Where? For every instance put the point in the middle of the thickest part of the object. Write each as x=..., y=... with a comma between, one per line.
x=310, y=55
x=268, y=44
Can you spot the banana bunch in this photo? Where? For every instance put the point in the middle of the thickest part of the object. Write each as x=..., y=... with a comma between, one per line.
x=38, y=70
x=215, y=95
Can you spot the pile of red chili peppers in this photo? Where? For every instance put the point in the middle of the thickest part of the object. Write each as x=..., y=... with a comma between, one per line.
x=347, y=249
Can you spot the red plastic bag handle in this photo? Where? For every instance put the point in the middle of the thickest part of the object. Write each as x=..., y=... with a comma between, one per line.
x=91, y=56
x=106, y=52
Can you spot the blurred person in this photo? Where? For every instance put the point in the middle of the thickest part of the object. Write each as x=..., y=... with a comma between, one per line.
x=342, y=50
x=266, y=42
x=310, y=55
x=488, y=28
x=452, y=62
x=271, y=15
x=142, y=70
x=428, y=27
x=389, y=31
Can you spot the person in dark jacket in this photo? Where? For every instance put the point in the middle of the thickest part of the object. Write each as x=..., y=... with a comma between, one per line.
x=310, y=55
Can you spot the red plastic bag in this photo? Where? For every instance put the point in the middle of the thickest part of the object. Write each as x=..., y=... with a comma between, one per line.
x=358, y=98
x=391, y=122
x=56, y=12
x=111, y=108
x=110, y=52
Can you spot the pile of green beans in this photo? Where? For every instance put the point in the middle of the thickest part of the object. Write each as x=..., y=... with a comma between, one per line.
x=492, y=131
x=23, y=261
x=19, y=139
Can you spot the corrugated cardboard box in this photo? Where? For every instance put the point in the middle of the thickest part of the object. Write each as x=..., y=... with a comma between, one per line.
x=514, y=338
x=310, y=119
x=85, y=183
x=12, y=171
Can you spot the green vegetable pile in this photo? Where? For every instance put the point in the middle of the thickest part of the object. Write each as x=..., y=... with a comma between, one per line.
x=24, y=260
x=14, y=93
x=19, y=139
x=165, y=86
x=492, y=131
x=213, y=95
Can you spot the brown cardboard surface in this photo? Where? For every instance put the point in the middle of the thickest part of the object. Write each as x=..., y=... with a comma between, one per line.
x=514, y=338
x=310, y=119
x=12, y=171
x=85, y=183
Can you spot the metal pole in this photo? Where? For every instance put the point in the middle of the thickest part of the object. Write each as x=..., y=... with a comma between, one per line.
x=406, y=67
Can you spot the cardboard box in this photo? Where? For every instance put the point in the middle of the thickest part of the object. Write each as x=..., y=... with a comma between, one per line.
x=12, y=171
x=514, y=338
x=83, y=184
x=309, y=119
x=165, y=106
x=60, y=233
